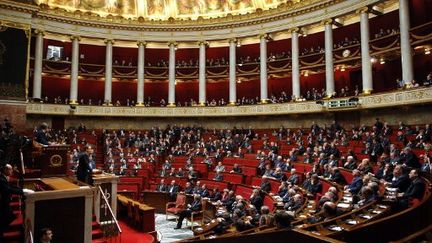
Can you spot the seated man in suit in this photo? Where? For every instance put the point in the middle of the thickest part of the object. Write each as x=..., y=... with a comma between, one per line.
x=416, y=189
x=236, y=169
x=256, y=199
x=161, y=187
x=294, y=178
x=216, y=195
x=356, y=184
x=265, y=185
x=204, y=191
x=172, y=189
x=195, y=206
x=400, y=180
x=315, y=185
x=188, y=188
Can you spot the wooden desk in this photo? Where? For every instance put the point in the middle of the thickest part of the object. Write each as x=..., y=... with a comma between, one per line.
x=147, y=212
x=59, y=183
x=158, y=200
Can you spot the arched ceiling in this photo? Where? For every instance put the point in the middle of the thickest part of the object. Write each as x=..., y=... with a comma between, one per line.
x=165, y=9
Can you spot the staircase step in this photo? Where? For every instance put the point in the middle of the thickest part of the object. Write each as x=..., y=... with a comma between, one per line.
x=97, y=233
x=99, y=241
x=95, y=225
x=12, y=235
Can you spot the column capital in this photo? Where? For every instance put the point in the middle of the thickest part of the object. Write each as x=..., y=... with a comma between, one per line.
x=264, y=36
x=106, y=41
x=172, y=43
x=327, y=21
x=294, y=30
x=362, y=10
x=203, y=42
x=39, y=32
x=75, y=37
x=233, y=40
x=142, y=43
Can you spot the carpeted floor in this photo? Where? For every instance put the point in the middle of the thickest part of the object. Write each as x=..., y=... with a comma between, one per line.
x=131, y=235
x=166, y=229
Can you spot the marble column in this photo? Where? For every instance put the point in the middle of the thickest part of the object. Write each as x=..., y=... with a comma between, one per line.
x=171, y=74
x=232, y=71
x=202, y=73
x=295, y=62
x=406, y=55
x=37, y=75
x=263, y=68
x=365, y=54
x=330, y=86
x=73, y=97
x=140, y=71
x=108, y=72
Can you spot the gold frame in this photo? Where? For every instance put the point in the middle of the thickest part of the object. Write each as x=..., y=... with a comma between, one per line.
x=27, y=31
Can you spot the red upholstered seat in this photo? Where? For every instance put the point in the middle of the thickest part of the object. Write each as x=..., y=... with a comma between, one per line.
x=177, y=206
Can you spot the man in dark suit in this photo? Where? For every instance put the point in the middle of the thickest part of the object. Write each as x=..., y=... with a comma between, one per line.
x=188, y=188
x=6, y=191
x=84, y=170
x=400, y=180
x=336, y=176
x=41, y=136
x=315, y=185
x=172, y=189
x=410, y=159
x=356, y=183
x=195, y=206
x=161, y=187
x=256, y=199
x=265, y=185
x=415, y=191
x=294, y=178
x=229, y=200
x=204, y=191
x=417, y=187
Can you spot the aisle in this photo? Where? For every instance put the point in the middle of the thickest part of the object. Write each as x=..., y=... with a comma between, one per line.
x=166, y=228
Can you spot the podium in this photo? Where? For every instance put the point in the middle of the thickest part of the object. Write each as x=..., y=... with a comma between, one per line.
x=108, y=184
x=53, y=160
x=62, y=204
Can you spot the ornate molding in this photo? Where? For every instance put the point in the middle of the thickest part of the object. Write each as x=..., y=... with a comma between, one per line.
x=44, y=16
x=392, y=99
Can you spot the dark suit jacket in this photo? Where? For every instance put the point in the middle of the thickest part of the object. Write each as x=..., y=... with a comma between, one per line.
x=338, y=178
x=356, y=185
x=84, y=170
x=195, y=206
x=41, y=137
x=6, y=190
x=416, y=189
x=266, y=186
x=316, y=188
x=189, y=190
x=161, y=188
x=172, y=189
x=205, y=193
x=257, y=201
x=216, y=197
x=294, y=179
x=402, y=183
